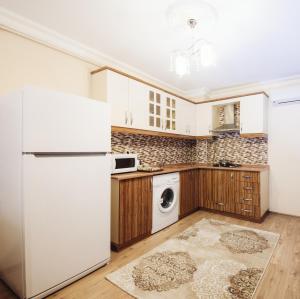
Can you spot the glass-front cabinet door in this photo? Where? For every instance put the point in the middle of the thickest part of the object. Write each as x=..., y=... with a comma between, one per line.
x=155, y=110
x=170, y=113
x=162, y=111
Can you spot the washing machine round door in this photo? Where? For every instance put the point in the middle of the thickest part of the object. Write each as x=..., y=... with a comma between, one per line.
x=167, y=200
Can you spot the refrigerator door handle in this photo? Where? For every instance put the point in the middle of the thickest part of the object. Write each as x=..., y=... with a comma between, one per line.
x=63, y=154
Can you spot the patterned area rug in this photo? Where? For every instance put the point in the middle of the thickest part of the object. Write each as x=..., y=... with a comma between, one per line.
x=209, y=260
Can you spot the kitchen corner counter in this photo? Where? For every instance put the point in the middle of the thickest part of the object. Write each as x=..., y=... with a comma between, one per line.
x=182, y=167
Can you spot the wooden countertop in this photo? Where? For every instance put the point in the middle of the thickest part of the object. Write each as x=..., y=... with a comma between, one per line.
x=182, y=167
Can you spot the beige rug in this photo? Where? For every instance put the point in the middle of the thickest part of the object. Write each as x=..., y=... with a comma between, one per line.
x=209, y=260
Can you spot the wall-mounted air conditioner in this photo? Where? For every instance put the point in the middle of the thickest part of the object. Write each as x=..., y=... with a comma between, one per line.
x=282, y=101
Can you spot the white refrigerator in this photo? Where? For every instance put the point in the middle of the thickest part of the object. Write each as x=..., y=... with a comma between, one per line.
x=54, y=189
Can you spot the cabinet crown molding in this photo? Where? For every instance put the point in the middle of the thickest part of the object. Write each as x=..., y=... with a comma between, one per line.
x=112, y=69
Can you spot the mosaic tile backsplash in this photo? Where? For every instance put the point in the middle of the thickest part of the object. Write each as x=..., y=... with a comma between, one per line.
x=155, y=150
x=230, y=146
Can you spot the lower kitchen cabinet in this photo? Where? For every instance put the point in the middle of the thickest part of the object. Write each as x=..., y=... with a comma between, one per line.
x=205, y=187
x=131, y=211
x=189, y=192
x=225, y=189
x=239, y=193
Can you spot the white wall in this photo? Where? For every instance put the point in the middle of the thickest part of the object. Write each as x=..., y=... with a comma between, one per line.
x=25, y=62
x=284, y=152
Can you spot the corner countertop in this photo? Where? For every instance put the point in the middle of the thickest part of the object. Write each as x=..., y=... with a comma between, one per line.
x=182, y=167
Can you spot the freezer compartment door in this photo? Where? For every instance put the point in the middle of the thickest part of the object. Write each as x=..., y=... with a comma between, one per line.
x=57, y=122
x=67, y=217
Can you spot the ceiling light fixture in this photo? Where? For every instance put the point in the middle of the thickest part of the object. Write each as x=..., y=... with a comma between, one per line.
x=194, y=21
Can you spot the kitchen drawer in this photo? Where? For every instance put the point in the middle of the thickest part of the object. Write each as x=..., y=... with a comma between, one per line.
x=223, y=207
x=248, y=198
x=247, y=210
x=249, y=187
x=249, y=176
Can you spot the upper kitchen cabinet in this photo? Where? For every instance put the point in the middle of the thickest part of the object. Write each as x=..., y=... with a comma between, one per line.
x=254, y=115
x=128, y=98
x=135, y=104
x=186, y=117
x=113, y=88
x=138, y=108
x=204, y=119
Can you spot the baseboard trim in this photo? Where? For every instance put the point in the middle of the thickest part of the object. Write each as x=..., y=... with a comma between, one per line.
x=284, y=214
x=256, y=220
x=119, y=247
x=189, y=213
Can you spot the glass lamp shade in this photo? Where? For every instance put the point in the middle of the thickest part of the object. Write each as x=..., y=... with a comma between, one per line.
x=180, y=64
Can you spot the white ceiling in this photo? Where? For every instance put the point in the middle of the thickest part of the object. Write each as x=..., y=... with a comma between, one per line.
x=258, y=40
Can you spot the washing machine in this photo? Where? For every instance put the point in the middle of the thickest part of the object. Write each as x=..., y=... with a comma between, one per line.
x=165, y=207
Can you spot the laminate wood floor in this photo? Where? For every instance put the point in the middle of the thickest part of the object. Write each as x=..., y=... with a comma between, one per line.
x=281, y=279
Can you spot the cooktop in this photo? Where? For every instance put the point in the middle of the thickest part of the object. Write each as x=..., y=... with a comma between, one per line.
x=225, y=163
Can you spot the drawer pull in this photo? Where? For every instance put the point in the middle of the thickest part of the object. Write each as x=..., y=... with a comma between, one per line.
x=248, y=211
x=247, y=176
x=247, y=199
x=248, y=188
x=220, y=204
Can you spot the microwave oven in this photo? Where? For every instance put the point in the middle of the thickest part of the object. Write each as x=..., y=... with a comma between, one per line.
x=121, y=163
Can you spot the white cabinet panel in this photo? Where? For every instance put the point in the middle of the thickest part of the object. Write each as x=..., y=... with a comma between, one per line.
x=191, y=119
x=204, y=119
x=253, y=114
x=138, y=105
x=181, y=117
x=118, y=96
x=186, y=117
x=58, y=122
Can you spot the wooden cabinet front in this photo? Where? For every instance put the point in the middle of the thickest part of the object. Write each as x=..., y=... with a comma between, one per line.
x=225, y=190
x=236, y=192
x=205, y=188
x=131, y=211
x=189, y=195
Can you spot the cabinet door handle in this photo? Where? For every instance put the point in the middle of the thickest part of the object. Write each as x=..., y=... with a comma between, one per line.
x=247, y=176
x=248, y=188
x=131, y=119
x=248, y=211
x=126, y=118
x=247, y=199
x=220, y=204
x=231, y=175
